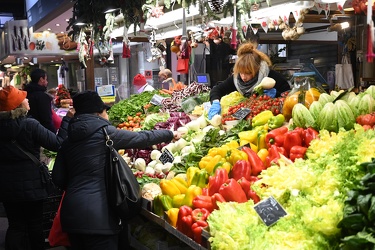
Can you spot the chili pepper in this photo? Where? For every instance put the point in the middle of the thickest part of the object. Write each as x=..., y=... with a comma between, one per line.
x=297, y=152
x=169, y=188
x=190, y=172
x=200, y=214
x=242, y=168
x=261, y=118
x=245, y=185
x=185, y=221
x=256, y=163
x=292, y=138
x=276, y=137
x=217, y=197
x=276, y=121
x=197, y=229
x=157, y=206
x=261, y=143
x=231, y=190
x=252, y=195
x=215, y=181
x=200, y=178
x=178, y=200
x=172, y=215
x=309, y=134
x=191, y=193
x=203, y=201
x=263, y=153
x=180, y=183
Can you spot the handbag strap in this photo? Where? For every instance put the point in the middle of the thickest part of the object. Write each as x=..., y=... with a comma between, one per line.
x=108, y=142
x=30, y=155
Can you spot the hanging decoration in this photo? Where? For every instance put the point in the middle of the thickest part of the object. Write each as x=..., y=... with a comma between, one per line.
x=125, y=44
x=82, y=48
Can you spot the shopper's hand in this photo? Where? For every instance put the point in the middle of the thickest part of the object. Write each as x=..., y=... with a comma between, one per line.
x=176, y=135
x=214, y=110
x=270, y=92
x=71, y=113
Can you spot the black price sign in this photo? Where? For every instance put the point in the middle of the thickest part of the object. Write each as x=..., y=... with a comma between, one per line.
x=270, y=211
x=241, y=113
x=166, y=156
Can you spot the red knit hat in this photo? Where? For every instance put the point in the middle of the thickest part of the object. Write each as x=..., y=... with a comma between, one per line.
x=139, y=80
x=11, y=98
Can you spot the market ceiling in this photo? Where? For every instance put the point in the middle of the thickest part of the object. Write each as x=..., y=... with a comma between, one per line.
x=13, y=8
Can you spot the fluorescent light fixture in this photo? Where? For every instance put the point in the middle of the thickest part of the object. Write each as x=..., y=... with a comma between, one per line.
x=111, y=9
x=7, y=65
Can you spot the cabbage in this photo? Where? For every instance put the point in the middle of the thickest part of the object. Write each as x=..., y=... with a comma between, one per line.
x=324, y=98
x=152, y=119
x=353, y=104
x=327, y=118
x=302, y=117
x=345, y=116
x=315, y=109
x=366, y=105
x=371, y=90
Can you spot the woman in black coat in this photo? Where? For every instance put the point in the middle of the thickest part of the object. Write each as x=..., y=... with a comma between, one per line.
x=21, y=189
x=249, y=70
x=79, y=170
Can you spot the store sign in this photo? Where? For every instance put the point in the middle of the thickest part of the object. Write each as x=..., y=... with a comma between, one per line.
x=270, y=211
x=21, y=40
x=107, y=93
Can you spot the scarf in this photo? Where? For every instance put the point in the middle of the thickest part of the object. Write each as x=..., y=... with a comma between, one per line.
x=246, y=88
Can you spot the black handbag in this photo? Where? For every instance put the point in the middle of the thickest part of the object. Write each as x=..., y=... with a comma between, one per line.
x=123, y=190
x=45, y=174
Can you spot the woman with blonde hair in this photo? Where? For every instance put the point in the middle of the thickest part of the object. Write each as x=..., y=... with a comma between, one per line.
x=249, y=70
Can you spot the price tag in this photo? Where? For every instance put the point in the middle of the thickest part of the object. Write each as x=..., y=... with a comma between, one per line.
x=270, y=211
x=156, y=100
x=241, y=113
x=166, y=156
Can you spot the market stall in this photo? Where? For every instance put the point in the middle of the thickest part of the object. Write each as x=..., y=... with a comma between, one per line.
x=266, y=169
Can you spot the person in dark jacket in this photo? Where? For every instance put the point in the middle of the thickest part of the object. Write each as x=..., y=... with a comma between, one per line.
x=21, y=189
x=79, y=170
x=249, y=70
x=40, y=101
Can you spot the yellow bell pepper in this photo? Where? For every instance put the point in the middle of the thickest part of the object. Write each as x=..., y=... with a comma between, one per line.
x=261, y=118
x=263, y=153
x=180, y=183
x=225, y=165
x=178, y=200
x=190, y=172
x=250, y=135
x=232, y=144
x=208, y=162
x=169, y=188
x=217, y=151
x=262, y=139
x=192, y=192
x=244, y=142
x=172, y=216
x=254, y=147
x=236, y=155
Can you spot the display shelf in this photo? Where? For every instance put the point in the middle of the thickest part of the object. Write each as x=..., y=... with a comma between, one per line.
x=146, y=212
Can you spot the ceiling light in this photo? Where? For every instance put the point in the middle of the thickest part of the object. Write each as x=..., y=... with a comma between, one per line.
x=80, y=23
x=67, y=20
x=49, y=29
x=7, y=65
x=344, y=25
x=25, y=57
x=57, y=25
x=111, y=9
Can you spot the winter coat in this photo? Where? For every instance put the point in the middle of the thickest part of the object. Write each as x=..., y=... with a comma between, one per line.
x=40, y=105
x=227, y=86
x=19, y=176
x=79, y=170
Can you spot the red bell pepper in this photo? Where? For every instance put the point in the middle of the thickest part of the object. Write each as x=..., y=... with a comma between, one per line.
x=252, y=195
x=241, y=168
x=197, y=229
x=273, y=155
x=253, y=179
x=309, y=134
x=185, y=220
x=205, y=191
x=217, y=198
x=200, y=214
x=276, y=137
x=215, y=181
x=232, y=191
x=203, y=201
x=297, y=152
x=256, y=163
x=292, y=138
x=245, y=184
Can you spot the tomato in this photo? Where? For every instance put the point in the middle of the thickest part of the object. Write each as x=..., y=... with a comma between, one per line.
x=138, y=114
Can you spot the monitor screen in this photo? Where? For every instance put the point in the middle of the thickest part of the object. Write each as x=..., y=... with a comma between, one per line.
x=203, y=79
